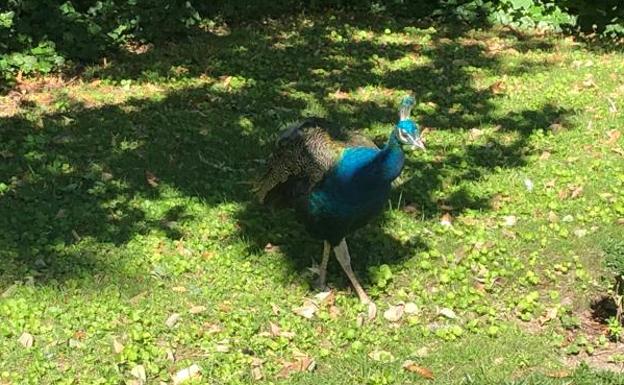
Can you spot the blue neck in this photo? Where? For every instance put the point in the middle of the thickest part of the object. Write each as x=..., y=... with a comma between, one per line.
x=390, y=159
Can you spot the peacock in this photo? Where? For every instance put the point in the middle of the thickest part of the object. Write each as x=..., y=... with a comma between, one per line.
x=336, y=186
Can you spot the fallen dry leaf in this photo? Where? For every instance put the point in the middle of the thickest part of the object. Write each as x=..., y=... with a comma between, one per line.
x=256, y=369
x=614, y=135
x=510, y=220
x=549, y=315
x=448, y=313
x=580, y=233
x=394, y=313
x=412, y=367
x=274, y=329
x=411, y=209
x=186, y=374
x=326, y=298
x=117, y=346
x=576, y=192
x=151, y=179
x=26, y=340
x=170, y=355
x=550, y=184
x=307, y=310
x=197, y=309
x=271, y=248
x=381, y=356
x=172, y=320
x=410, y=308
x=275, y=309
x=340, y=95
x=446, y=219
x=552, y=217
x=545, y=155
x=498, y=87
x=300, y=364
x=222, y=347
x=475, y=133
x=138, y=372
x=422, y=352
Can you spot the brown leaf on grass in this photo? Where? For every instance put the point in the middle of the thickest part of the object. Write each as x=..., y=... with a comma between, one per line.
x=545, y=155
x=151, y=179
x=613, y=135
x=550, y=184
x=334, y=312
x=26, y=340
x=256, y=369
x=117, y=346
x=446, y=219
x=325, y=298
x=552, y=217
x=576, y=191
x=589, y=81
x=138, y=372
x=340, y=95
x=193, y=371
x=563, y=194
x=271, y=248
x=412, y=367
x=172, y=320
x=394, y=313
x=197, y=309
x=620, y=221
x=381, y=356
x=274, y=329
x=307, y=310
x=549, y=315
x=300, y=364
x=212, y=328
x=498, y=87
x=275, y=309
x=80, y=334
x=411, y=209
x=475, y=133
x=618, y=151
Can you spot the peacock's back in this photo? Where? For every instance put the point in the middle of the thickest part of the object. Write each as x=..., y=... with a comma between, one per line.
x=305, y=153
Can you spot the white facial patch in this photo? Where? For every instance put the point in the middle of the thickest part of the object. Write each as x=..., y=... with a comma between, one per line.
x=403, y=136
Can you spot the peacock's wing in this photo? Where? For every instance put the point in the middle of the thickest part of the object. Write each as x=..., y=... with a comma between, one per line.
x=357, y=140
x=305, y=153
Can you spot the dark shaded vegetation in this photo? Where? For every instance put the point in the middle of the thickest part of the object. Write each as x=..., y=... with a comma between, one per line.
x=39, y=37
x=74, y=175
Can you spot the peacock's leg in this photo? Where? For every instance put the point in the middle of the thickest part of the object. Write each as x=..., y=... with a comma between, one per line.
x=342, y=254
x=320, y=284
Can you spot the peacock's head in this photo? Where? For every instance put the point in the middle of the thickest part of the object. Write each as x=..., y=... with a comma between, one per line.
x=407, y=131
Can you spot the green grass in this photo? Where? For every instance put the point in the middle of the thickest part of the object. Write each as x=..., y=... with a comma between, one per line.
x=124, y=198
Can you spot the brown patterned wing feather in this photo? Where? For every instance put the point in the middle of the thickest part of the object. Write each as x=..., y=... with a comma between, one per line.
x=305, y=153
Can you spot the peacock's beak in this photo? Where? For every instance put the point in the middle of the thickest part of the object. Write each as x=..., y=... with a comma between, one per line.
x=418, y=143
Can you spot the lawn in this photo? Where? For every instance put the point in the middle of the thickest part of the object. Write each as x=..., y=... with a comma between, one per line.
x=132, y=247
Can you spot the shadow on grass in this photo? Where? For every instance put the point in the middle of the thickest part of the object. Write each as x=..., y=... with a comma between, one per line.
x=90, y=176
